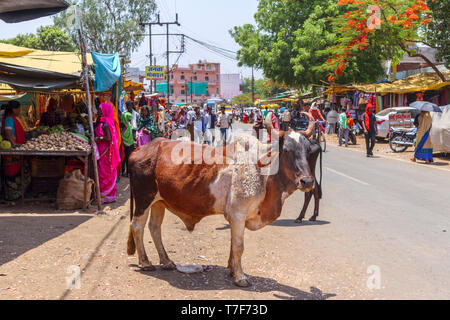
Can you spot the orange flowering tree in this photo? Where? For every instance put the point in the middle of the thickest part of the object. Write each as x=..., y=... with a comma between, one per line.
x=390, y=25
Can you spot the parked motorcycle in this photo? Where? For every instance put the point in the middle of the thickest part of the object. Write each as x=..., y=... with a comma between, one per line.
x=400, y=140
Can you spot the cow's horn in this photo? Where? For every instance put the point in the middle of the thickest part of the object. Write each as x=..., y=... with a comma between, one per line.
x=311, y=126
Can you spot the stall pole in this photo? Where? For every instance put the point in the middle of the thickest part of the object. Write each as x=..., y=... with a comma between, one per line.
x=91, y=125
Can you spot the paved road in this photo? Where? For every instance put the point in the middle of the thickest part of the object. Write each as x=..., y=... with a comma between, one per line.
x=380, y=220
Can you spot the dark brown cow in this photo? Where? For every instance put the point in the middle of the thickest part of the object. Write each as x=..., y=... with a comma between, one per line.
x=165, y=176
x=314, y=150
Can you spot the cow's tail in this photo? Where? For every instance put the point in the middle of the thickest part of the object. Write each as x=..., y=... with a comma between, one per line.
x=320, y=181
x=131, y=246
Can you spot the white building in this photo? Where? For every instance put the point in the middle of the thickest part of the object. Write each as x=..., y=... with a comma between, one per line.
x=230, y=86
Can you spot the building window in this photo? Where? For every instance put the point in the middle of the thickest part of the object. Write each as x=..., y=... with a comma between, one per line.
x=217, y=91
x=182, y=100
x=183, y=92
x=217, y=77
x=195, y=78
x=206, y=78
x=182, y=77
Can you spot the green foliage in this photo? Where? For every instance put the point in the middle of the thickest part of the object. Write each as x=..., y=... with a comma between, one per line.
x=49, y=38
x=289, y=41
x=438, y=31
x=243, y=99
x=264, y=88
x=111, y=26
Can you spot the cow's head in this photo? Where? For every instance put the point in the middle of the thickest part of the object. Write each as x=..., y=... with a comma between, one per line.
x=294, y=156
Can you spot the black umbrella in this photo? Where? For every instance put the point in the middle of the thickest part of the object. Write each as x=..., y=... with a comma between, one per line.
x=426, y=106
x=24, y=10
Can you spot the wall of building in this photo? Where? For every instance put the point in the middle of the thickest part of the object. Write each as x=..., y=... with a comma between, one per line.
x=230, y=85
x=199, y=72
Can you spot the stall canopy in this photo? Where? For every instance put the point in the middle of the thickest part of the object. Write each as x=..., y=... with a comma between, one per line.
x=23, y=10
x=136, y=87
x=415, y=83
x=30, y=69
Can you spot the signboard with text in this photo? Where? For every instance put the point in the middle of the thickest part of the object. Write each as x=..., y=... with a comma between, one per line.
x=154, y=73
x=402, y=120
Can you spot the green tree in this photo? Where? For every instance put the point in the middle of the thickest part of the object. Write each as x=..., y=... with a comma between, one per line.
x=110, y=26
x=438, y=31
x=289, y=41
x=49, y=38
x=391, y=26
x=244, y=99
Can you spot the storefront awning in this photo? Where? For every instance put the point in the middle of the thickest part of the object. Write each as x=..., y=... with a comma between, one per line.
x=24, y=10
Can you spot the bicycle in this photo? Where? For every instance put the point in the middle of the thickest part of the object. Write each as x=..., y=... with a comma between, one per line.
x=319, y=134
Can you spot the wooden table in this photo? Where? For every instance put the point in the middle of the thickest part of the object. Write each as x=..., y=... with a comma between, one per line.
x=82, y=155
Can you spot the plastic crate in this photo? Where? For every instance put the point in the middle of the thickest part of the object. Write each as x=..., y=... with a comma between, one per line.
x=47, y=168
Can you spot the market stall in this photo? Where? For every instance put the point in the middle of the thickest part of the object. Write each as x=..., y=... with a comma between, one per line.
x=54, y=117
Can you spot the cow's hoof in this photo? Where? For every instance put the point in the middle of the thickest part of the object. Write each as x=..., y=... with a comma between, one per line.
x=298, y=220
x=148, y=268
x=169, y=266
x=312, y=218
x=242, y=282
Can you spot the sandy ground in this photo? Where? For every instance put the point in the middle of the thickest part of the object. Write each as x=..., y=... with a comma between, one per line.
x=41, y=249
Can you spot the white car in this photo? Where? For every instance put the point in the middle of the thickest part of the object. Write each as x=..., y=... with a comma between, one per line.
x=383, y=119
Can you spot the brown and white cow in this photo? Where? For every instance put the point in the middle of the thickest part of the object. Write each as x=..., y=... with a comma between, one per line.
x=193, y=189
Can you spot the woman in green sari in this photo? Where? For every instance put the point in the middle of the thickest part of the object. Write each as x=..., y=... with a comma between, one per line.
x=127, y=136
x=147, y=129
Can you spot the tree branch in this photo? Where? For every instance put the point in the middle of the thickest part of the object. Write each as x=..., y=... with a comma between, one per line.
x=432, y=65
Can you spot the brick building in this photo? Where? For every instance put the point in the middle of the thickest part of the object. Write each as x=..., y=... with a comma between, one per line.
x=204, y=75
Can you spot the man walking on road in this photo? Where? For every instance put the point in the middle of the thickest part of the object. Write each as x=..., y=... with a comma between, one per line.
x=210, y=120
x=370, y=129
x=223, y=123
x=343, y=127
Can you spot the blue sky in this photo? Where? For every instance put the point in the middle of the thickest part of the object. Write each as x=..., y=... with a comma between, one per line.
x=205, y=20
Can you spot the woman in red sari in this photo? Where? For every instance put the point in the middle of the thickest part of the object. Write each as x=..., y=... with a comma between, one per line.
x=13, y=131
x=106, y=139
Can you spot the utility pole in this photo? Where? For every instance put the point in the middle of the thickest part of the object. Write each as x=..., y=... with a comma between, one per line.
x=253, y=88
x=151, y=54
x=192, y=87
x=150, y=24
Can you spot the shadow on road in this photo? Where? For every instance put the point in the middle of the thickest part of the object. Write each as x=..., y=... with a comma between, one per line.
x=219, y=279
x=291, y=223
x=22, y=233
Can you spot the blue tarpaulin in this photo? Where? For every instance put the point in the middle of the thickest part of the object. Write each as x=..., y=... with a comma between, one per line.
x=107, y=70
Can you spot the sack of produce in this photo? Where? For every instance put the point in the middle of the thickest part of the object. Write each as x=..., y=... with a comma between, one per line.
x=70, y=195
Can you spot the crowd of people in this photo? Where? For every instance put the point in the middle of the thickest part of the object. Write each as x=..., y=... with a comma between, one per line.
x=117, y=133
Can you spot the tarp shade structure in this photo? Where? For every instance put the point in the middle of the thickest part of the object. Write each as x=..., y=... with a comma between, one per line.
x=136, y=87
x=415, y=83
x=107, y=70
x=161, y=87
x=198, y=88
x=12, y=11
x=29, y=79
x=28, y=69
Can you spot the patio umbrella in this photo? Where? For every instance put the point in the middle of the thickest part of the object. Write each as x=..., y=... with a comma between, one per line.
x=425, y=106
x=24, y=10
x=283, y=109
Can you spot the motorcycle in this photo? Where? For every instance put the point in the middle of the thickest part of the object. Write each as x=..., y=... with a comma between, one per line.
x=400, y=140
x=351, y=133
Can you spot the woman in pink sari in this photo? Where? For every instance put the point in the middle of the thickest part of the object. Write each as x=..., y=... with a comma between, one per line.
x=108, y=157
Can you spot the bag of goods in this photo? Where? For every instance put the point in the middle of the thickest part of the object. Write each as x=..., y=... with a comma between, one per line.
x=70, y=195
